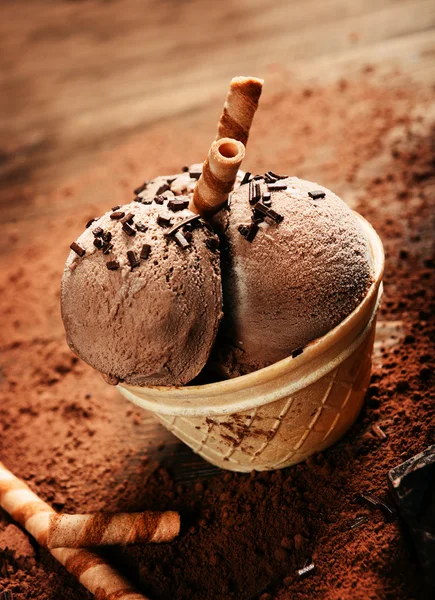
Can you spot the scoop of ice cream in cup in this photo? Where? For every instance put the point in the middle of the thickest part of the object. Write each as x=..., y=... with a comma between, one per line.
x=295, y=274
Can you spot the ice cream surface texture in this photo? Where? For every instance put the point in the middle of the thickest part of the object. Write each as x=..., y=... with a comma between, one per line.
x=295, y=263
x=141, y=298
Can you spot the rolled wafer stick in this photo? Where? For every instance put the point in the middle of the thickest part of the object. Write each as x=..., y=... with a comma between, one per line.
x=90, y=569
x=239, y=108
x=81, y=531
x=219, y=173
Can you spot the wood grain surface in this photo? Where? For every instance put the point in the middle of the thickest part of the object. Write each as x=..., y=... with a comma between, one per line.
x=78, y=77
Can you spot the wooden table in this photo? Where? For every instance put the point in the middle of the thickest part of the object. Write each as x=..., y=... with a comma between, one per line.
x=78, y=77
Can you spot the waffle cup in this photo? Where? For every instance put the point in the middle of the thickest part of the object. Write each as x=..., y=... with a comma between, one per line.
x=284, y=413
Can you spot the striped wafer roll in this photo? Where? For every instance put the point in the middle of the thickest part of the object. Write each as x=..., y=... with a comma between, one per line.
x=102, y=529
x=219, y=173
x=239, y=108
x=90, y=569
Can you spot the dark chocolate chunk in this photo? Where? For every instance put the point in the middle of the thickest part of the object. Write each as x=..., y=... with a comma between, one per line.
x=243, y=230
x=257, y=219
x=98, y=231
x=181, y=240
x=163, y=221
x=138, y=199
x=98, y=243
x=107, y=236
x=297, y=352
x=195, y=174
x=176, y=205
x=245, y=178
x=317, y=194
x=140, y=189
x=89, y=223
x=107, y=248
x=112, y=265
x=252, y=232
x=132, y=259
x=128, y=218
x=128, y=229
x=184, y=169
x=140, y=226
x=145, y=252
x=117, y=215
x=163, y=188
x=78, y=249
x=275, y=187
x=212, y=243
x=274, y=216
x=260, y=209
x=118, y=206
x=159, y=199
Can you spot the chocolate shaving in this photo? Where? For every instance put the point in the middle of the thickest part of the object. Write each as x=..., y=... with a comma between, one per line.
x=245, y=178
x=133, y=259
x=140, y=189
x=275, y=187
x=128, y=218
x=98, y=231
x=118, y=206
x=78, y=249
x=306, y=570
x=159, y=199
x=98, y=243
x=89, y=223
x=163, y=221
x=297, y=352
x=212, y=243
x=272, y=174
x=117, y=215
x=258, y=177
x=128, y=229
x=141, y=226
x=107, y=236
x=181, y=240
x=176, y=205
x=162, y=189
x=107, y=248
x=269, y=178
x=316, y=194
x=380, y=433
x=190, y=221
x=112, y=265
x=145, y=252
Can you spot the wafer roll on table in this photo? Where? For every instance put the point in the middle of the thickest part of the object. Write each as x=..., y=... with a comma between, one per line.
x=239, y=108
x=218, y=176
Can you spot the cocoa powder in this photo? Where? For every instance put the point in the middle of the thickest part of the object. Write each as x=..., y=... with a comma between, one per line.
x=83, y=448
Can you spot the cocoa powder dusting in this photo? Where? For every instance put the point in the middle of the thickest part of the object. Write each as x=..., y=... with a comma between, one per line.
x=82, y=448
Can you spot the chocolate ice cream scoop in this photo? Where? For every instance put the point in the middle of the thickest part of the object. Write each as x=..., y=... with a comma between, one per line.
x=295, y=263
x=141, y=291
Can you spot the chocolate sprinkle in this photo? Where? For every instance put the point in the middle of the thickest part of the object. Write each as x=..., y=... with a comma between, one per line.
x=112, y=265
x=145, y=252
x=317, y=194
x=275, y=187
x=297, y=352
x=190, y=221
x=163, y=188
x=252, y=232
x=181, y=240
x=176, y=205
x=98, y=243
x=117, y=215
x=107, y=248
x=140, y=189
x=159, y=199
x=140, y=226
x=89, y=223
x=133, y=259
x=163, y=221
x=128, y=229
x=128, y=218
x=245, y=178
x=98, y=231
x=78, y=249
x=107, y=236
